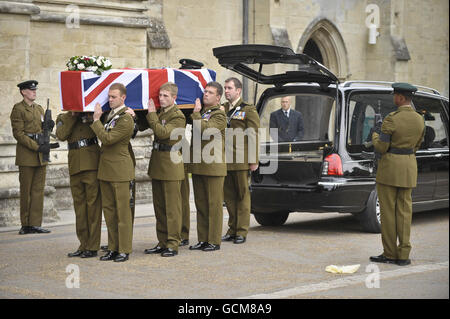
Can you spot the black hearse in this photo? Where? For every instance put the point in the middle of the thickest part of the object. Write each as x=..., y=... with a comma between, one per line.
x=332, y=169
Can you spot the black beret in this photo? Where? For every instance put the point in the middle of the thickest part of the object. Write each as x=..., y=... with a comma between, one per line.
x=404, y=88
x=31, y=85
x=190, y=64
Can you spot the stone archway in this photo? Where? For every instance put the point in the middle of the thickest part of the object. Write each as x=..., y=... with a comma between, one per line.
x=323, y=41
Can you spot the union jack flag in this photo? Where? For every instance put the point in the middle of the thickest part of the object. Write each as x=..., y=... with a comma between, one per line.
x=81, y=91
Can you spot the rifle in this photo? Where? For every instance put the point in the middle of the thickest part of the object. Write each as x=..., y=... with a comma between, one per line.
x=374, y=156
x=377, y=128
x=44, y=137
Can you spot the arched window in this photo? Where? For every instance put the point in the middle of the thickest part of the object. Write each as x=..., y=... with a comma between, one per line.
x=311, y=49
x=324, y=43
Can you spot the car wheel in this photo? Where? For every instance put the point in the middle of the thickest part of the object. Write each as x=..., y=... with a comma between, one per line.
x=370, y=218
x=271, y=219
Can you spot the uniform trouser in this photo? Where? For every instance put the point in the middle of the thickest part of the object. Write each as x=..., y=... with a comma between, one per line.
x=133, y=208
x=208, y=194
x=167, y=205
x=88, y=209
x=117, y=211
x=32, y=182
x=396, y=216
x=237, y=200
x=185, y=207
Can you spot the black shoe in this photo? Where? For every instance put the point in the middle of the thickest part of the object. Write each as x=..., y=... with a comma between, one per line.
x=239, y=240
x=25, y=230
x=211, y=247
x=39, y=230
x=78, y=253
x=104, y=248
x=111, y=255
x=403, y=262
x=382, y=259
x=121, y=257
x=198, y=246
x=89, y=254
x=154, y=250
x=169, y=252
x=228, y=237
x=184, y=242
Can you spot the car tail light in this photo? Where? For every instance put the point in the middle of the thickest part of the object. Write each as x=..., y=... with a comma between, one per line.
x=332, y=165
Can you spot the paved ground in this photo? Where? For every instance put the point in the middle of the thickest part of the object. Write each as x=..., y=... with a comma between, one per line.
x=275, y=262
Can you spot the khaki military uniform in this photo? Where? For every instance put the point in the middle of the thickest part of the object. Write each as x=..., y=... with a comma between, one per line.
x=27, y=120
x=208, y=173
x=186, y=192
x=396, y=176
x=132, y=185
x=84, y=154
x=115, y=172
x=167, y=171
x=242, y=116
x=185, y=205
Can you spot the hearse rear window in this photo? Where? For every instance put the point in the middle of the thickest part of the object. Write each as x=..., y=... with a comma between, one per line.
x=315, y=122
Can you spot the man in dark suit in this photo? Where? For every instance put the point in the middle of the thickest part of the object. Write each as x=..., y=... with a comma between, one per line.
x=289, y=122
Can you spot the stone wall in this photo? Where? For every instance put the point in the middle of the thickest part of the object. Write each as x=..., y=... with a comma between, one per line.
x=38, y=37
x=36, y=40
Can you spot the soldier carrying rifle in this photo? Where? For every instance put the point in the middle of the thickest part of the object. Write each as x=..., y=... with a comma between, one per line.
x=31, y=128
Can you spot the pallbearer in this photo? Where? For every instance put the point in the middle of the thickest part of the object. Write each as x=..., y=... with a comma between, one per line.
x=84, y=153
x=208, y=167
x=116, y=172
x=243, y=123
x=166, y=170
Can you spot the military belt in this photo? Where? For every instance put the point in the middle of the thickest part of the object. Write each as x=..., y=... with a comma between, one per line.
x=85, y=142
x=162, y=147
x=401, y=151
x=34, y=136
x=385, y=137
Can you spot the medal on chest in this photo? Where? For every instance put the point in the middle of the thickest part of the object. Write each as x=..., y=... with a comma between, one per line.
x=112, y=123
x=239, y=115
x=206, y=116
